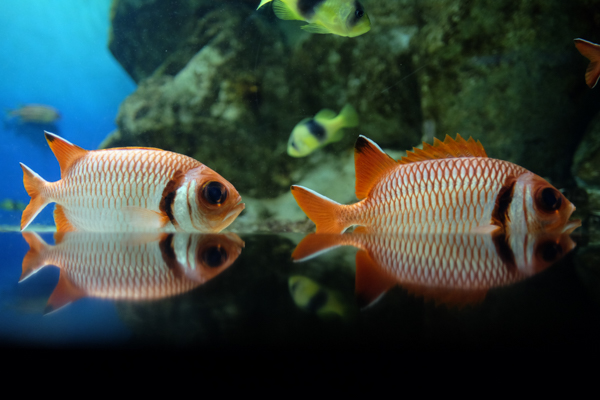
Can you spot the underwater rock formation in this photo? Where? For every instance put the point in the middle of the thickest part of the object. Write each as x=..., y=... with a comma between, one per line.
x=506, y=73
x=226, y=84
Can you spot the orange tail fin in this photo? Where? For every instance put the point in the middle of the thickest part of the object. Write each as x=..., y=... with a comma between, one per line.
x=33, y=185
x=34, y=260
x=592, y=52
x=314, y=245
x=324, y=212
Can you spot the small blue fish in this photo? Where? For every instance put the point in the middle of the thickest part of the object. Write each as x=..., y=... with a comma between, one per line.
x=326, y=127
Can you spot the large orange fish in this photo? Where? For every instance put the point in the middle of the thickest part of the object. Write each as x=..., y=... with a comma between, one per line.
x=131, y=189
x=129, y=266
x=451, y=186
x=450, y=268
x=592, y=52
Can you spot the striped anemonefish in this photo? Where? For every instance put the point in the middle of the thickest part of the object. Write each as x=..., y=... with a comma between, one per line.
x=326, y=127
x=451, y=186
x=131, y=189
x=340, y=17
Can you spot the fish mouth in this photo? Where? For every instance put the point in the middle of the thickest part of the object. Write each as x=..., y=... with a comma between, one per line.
x=235, y=211
x=571, y=226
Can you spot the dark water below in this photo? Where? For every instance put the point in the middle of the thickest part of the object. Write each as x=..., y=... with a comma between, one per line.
x=257, y=302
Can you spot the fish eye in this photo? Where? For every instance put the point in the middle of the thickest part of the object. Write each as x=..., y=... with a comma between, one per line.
x=213, y=256
x=550, y=251
x=214, y=192
x=549, y=199
x=359, y=14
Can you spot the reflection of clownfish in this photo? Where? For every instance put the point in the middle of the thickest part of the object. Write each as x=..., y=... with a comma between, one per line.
x=450, y=187
x=326, y=127
x=592, y=52
x=131, y=189
x=340, y=17
x=34, y=114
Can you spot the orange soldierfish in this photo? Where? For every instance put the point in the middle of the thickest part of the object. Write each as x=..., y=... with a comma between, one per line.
x=449, y=268
x=129, y=266
x=451, y=186
x=131, y=189
x=592, y=52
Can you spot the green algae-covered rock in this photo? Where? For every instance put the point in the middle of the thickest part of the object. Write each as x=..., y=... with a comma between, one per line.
x=507, y=73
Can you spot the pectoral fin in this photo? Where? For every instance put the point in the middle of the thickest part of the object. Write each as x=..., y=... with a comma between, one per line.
x=315, y=28
x=145, y=219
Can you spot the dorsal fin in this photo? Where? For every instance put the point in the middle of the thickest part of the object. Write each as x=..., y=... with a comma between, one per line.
x=370, y=163
x=449, y=148
x=66, y=153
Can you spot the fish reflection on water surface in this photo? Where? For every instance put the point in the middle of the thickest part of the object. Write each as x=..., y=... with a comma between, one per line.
x=456, y=269
x=129, y=266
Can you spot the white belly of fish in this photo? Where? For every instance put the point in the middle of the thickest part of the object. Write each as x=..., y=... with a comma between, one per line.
x=122, y=193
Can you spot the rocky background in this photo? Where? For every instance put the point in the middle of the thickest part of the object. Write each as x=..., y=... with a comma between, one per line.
x=225, y=84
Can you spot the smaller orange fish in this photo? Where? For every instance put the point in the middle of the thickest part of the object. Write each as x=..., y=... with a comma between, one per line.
x=35, y=113
x=592, y=52
x=128, y=266
x=131, y=189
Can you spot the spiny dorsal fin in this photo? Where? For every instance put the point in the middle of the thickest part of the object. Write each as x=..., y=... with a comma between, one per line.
x=370, y=163
x=66, y=152
x=449, y=148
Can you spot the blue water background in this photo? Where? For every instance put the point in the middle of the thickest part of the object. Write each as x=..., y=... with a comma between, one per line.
x=55, y=53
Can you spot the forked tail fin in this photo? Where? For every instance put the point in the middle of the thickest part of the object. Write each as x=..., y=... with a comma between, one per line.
x=314, y=245
x=350, y=116
x=33, y=185
x=592, y=52
x=34, y=259
x=324, y=212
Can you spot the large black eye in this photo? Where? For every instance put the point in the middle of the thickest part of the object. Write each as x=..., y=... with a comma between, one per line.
x=550, y=199
x=359, y=13
x=214, y=192
x=214, y=256
x=550, y=251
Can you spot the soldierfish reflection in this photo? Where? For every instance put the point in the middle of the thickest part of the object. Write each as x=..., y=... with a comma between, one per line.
x=129, y=266
x=456, y=269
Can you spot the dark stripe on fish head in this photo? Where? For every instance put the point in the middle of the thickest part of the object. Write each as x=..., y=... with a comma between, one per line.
x=316, y=129
x=317, y=301
x=503, y=201
x=505, y=252
x=356, y=15
x=168, y=253
x=307, y=8
x=168, y=196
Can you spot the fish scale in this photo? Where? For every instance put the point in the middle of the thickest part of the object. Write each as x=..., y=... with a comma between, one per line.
x=452, y=267
x=125, y=265
x=455, y=193
x=109, y=182
x=131, y=189
x=447, y=187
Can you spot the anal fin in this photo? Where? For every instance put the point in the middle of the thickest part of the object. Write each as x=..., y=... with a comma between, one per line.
x=315, y=28
x=62, y=222
x=145, y=219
